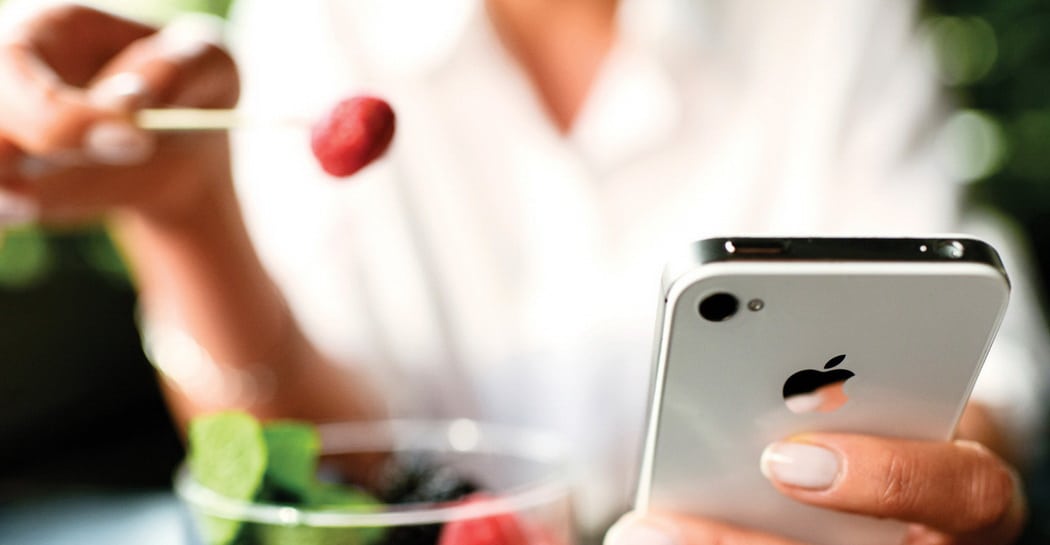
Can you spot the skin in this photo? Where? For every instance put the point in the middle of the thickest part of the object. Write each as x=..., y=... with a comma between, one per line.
x=174, y=212
x=560, y=45
x=958, y=493
x=181, y=231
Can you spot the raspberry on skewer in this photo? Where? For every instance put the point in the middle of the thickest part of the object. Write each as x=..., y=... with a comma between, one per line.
x=355, y=132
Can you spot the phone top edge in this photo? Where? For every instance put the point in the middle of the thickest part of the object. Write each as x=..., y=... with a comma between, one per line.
x=932, y=249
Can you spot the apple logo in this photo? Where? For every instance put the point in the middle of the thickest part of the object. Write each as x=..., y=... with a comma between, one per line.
x=811, y=390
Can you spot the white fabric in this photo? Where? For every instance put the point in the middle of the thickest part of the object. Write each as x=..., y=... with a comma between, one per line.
x=491, y=267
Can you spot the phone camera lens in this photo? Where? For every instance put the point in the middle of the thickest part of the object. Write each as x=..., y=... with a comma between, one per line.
x=718, y=307
x=952, y=249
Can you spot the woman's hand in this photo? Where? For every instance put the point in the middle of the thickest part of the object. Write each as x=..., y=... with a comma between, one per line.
x=70, y=79
x=952, y=492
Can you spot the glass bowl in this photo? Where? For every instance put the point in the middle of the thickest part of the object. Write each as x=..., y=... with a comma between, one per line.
x=524, y=498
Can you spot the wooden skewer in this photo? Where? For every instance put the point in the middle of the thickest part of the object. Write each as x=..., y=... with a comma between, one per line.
x=199, y=119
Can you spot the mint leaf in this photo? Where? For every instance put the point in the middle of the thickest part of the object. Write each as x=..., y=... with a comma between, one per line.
x=227, y=455
x=293, y=451
x=340, y=497
x=308, y=535
x=234, y=455
x=336, y=497
x=324, y=494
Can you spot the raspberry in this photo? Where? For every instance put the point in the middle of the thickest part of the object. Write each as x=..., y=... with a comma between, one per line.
x=353, y=134
x=497, y=529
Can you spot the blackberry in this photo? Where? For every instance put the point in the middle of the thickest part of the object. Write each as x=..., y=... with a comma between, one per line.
x=419, y=479
x=421, y=534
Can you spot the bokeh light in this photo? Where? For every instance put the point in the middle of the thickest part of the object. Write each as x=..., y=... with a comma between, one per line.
x=966, y=48
x=972, y=145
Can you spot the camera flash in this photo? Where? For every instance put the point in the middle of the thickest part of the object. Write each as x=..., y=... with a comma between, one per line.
x=755, y=305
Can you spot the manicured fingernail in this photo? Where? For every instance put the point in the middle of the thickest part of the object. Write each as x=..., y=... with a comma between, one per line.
x=116, y=143
x=16, y=210
x=119, y=91
x=31, y=167
x=633, y=529
x=800, y=464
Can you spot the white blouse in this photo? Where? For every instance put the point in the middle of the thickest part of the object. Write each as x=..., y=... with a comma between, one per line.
x=494, y=268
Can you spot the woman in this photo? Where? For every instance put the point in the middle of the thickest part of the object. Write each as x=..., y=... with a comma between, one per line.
x=549, y=155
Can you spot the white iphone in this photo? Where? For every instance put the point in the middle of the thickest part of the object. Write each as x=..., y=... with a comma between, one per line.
x=763, y=338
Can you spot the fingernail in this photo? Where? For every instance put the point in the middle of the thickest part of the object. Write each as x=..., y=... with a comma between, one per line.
x=16, y=210
x=800, y=464
x=30, y=167
x=634, y=529
x=117, y=143
x=37, y=166
x=119, y=91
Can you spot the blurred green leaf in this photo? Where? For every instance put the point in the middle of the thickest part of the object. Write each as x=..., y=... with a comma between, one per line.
x=1029, y=135
x=293, y=451
x=228, y=455
x=102, y=255
x=966, y=48
x=24, y=256
x=272, y=534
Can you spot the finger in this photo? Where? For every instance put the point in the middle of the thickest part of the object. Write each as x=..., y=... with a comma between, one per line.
x=666, y=529
x=38, y=112
x=43, y=116
x=15, y=207
x=75, y=41
x=42, y=111
x=956, y=487
x=9, y=155
x=13, y=168
x=95, y=189
x=979, y=423
x=182, y=65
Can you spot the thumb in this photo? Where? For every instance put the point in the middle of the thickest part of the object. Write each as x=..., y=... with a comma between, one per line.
x=638, y=528
x=182, y=64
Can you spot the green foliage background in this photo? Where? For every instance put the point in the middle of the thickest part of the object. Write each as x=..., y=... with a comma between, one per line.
x=79, y=404
x=995, y=55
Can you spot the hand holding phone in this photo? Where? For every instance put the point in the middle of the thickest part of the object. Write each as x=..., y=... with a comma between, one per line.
x=765, y=339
